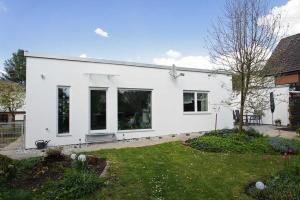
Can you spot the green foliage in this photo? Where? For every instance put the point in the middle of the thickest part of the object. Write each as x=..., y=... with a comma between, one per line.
x=75, y=185
x=283, y=145
x=284, y=186
x=26, y=164
x=12, y=96
x=7, y=168
x=4, y=162
x=9, y=194
x=15, y=68
x=234, y=143
x=231, y=141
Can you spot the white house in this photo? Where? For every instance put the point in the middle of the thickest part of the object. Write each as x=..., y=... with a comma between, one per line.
x=71, y=100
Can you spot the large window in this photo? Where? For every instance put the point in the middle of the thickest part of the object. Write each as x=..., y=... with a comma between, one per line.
x=134, y=109
x=98, y=109
x=195, y=101
x=63, y=110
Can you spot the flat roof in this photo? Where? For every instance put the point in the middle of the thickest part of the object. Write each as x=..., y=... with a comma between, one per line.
x=125, y=63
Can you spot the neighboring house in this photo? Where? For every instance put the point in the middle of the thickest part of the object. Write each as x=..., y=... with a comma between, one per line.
x=7, y=117
x=80, y=100
x=284, y=65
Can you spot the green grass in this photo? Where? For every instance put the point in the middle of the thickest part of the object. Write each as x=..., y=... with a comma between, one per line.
x=175, y=171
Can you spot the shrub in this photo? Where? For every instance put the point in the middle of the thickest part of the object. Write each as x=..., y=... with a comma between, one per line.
x=5, y=162
x=54, y=154
x=27, y=164
x=7, y=168
x=284, y=186
x=251, y=132
x=238, y=143
x=283, y=145
x=75, y=185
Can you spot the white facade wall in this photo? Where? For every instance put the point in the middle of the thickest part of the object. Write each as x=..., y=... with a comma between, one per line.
x=167, y=99
x=281, y=100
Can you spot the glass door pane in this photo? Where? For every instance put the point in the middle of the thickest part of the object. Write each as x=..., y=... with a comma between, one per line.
x=98, y=109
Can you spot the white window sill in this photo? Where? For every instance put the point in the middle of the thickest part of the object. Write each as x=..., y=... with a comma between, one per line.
x=100, y=133
x=197, y=113
x=135, y=130
x=63, y=135
x=94, y=132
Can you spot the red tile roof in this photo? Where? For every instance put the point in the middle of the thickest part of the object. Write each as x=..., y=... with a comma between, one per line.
x=286, y=56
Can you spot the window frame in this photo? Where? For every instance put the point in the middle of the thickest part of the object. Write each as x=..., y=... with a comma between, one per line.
x=151, y=111
x=196, y=92
x=106, y=112
x=57, y=109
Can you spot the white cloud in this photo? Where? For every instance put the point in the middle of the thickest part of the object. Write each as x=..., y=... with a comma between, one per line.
x=83, y=55
x=173, y=54
x=202, y=62
x=101, y=32
x=290, y=16
x=3, y=8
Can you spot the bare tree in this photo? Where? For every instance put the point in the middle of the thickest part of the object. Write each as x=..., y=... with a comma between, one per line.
x=241, y=42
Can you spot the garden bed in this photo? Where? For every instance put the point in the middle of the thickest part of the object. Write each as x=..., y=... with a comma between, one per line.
x=248, y=141
x=285, y=185
x=47, y=176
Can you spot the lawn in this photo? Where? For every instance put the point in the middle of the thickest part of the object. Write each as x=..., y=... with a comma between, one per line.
x=175, y=171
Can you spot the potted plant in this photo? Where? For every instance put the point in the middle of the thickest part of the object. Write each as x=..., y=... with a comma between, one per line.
x=278, y=122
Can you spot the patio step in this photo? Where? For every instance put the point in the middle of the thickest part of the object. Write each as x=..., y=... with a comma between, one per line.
x=100, y=137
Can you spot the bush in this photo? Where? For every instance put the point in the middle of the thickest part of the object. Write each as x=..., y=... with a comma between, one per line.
x=251, y=133
x=284, y=186
x=75, y=185
x=5, y=162
x=283, y=145
x=7, y=168
x=238, y=143
x=54, y=154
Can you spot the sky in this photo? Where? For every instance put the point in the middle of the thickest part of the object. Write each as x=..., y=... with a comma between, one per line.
x=156, y=31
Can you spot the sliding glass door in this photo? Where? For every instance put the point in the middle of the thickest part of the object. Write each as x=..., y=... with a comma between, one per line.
x=97, y=109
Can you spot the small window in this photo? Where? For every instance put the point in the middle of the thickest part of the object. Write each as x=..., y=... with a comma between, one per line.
x=134, y=109
x=63, y=110
x=98, y=109
x=195, y=101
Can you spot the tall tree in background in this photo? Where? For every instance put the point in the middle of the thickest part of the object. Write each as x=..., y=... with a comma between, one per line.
x=241, y=42
x=12, y=97
x=15, y=68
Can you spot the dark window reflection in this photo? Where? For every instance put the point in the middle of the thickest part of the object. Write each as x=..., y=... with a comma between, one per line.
x=189, y=102
x=134, y=109
x=63, y=109
x=98, y=109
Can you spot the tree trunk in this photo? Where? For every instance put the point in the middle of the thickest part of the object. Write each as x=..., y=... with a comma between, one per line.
x=13, y=117
x=241, y=120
